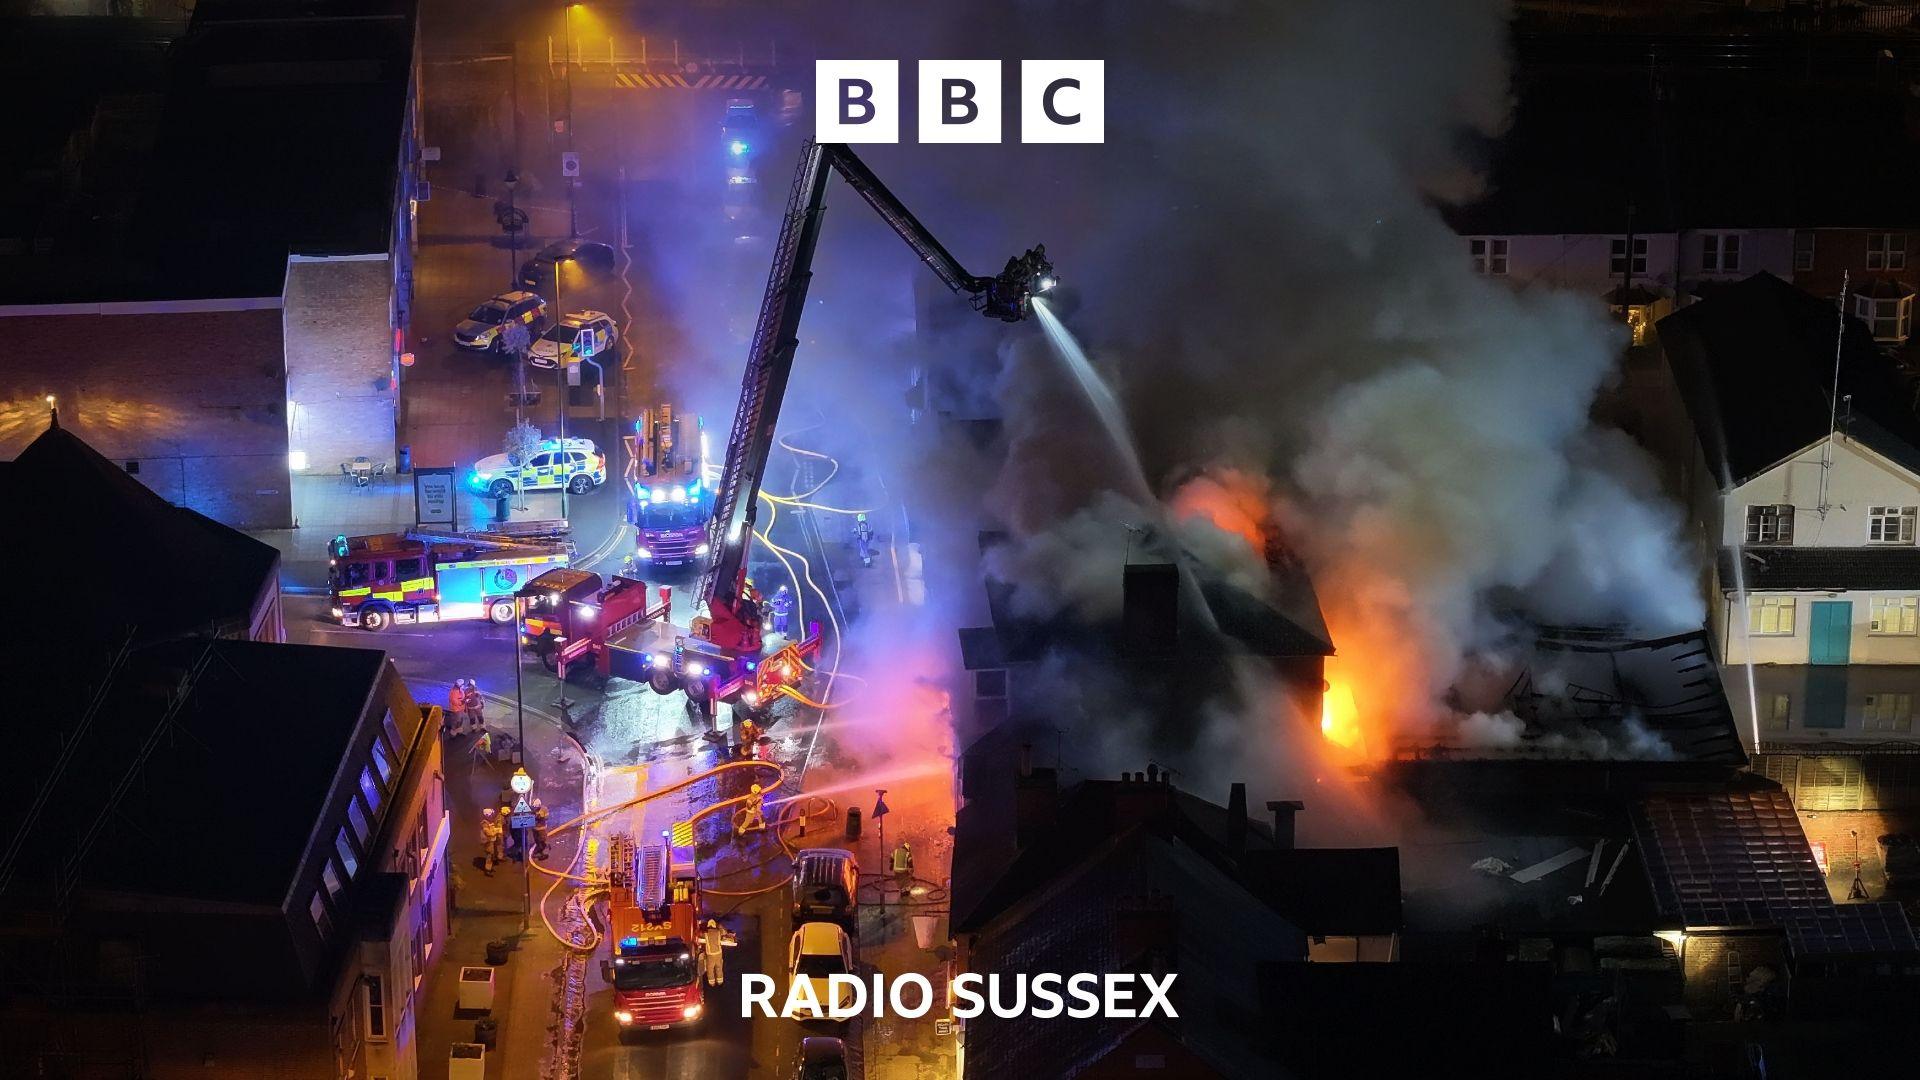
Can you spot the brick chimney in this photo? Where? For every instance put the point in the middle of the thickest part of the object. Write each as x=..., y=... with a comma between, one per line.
x=1141, y=797
x=1149, y=610
x=1283, y=812
x=1237, y=818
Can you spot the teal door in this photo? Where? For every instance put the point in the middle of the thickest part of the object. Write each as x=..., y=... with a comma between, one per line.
x=1832, y=632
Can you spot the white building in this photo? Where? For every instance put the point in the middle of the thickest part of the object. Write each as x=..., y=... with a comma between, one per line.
x=1810, y=509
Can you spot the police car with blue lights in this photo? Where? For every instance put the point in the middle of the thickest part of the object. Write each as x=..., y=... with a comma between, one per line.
x=579, y=467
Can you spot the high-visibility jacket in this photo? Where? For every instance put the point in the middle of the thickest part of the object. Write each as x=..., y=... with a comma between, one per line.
x=902, y=859
x=456, y=700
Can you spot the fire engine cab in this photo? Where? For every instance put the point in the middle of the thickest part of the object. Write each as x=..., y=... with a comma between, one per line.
x=653, y=935
x=418, y=577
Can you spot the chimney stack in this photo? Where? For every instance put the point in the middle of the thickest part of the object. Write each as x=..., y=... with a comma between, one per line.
x=1153, y=773
x=1142, y=796
x=1283, y=812
x=1237, y=818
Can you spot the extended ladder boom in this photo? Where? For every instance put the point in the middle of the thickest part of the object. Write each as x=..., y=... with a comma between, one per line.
x=1008, y=296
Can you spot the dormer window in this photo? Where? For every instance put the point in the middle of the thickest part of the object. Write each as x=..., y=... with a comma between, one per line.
x=1887, y=309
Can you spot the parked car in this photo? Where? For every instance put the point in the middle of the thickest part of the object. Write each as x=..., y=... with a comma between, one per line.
x=557, y=344
x=579, y=467
x=480, y=330
x=822, y=1057
x=817, y=950
x=596, y=258
x=826, y=887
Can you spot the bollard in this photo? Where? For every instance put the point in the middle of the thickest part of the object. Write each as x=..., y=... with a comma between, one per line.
x=853, y=823
x=501, y=507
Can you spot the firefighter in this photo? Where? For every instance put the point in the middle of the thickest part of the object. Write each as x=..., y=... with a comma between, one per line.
x=749, y=738
x=863, y=539
x=712, y=957
x=749, y=603
x=782, y=607
x=456, y=718
x=903, y=863
x=491, y=833
x=476, y=707
x=539, y=829
x=516, y=841
x=752, y=815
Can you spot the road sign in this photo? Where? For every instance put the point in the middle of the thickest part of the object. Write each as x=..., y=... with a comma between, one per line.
x=522, y=816
x=570, y=165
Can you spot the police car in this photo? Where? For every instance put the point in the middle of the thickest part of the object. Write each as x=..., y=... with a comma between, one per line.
x=596, y=327
x=481, y=329
x=579, y=467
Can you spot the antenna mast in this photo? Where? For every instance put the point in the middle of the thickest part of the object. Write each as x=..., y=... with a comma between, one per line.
x=1833, y=403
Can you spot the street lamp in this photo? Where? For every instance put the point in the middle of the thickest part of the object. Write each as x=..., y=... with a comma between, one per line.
x=560, y=369
x=512, y=181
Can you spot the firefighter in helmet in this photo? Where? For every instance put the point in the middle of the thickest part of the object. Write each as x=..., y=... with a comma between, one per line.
x=782, y=607
x=492, y=835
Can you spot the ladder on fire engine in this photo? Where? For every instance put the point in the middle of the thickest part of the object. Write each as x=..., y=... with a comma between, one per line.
x=653, y=877
x=730, y=532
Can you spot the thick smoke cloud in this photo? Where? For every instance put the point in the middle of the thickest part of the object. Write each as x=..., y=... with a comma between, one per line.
x=1306, y=358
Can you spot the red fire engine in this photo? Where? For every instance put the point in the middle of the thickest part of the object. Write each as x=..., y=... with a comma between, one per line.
x=653, y=936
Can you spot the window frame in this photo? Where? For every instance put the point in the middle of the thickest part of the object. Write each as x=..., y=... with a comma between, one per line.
x=373, y=1006
x=1756, y=528
x=1904, y=518
x=1805, y=250
x=1617, y=255
x=1779, y=716
x=1720, y=252
x=1889, y=713
x=1868, y=310
x=1905, y=619
x=1891, y=254
x=322, y=918
x=1491, y=255
x=1785, y=620
x=349, y=857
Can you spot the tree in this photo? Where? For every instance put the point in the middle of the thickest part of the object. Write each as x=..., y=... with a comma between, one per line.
x=516, y=342
x=523, y=439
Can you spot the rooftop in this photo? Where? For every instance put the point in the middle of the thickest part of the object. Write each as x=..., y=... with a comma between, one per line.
x=1808, y=569
x=133, y=562
x=1754, y=366
x=305, y=100
x=251, y=751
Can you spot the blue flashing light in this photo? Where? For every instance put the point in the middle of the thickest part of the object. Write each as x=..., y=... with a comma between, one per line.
x=751, y=665
x=738, y=148
x=629, y=942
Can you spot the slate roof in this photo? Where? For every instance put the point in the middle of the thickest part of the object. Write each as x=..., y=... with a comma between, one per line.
x=1754, y=366
x=1738, y=858
x=1804, y=569
x=1217, y=936
x=115, y=557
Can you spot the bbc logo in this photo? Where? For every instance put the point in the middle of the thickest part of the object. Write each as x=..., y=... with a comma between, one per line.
x=1061, y=101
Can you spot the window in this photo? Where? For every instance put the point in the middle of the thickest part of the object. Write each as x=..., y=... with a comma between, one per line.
x=409, y=569
x=133, y=468
x=382, y=760
x=540, y=461
x=1720, y=253
x=1489, y=255
x=1886, y=251
x=1894, y=615
x=1890, y=524
x=358, y=818
x=1770, y=615
x=1888, y=712
x=1618, y=262
x=331, y=879
x=392, y=729
x=358, y=574
x=371, y=789
x=1770, y=524
x=345, y=847
x=1776, y=712
x=375, y=999
x=1889, y=317
x=1803, y=250
x=990, y=684
x=321, y=920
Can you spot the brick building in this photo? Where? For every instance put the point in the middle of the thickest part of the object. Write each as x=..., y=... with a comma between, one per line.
x=216, y=328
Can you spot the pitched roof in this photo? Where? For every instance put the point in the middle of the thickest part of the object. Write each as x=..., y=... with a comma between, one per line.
x=1201, y=924
x=1754, y=366
x=1801, y=569
x=1738, y=858
x=115, y=557
x=1329, y=891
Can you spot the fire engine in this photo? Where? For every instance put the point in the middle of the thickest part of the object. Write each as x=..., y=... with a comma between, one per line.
x=653, y=935
x=420, y=577
x=669, y=501
x=723, y=657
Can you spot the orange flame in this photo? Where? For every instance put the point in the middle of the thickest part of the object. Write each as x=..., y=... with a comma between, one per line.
x=1234, y=501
